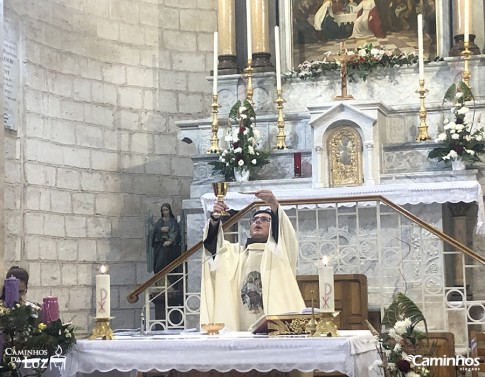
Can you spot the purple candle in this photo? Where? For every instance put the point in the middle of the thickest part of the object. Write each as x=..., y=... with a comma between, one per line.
x=50, y=309
x=12, y=296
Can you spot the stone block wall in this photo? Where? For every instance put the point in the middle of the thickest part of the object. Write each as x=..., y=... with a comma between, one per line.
x=102, y=83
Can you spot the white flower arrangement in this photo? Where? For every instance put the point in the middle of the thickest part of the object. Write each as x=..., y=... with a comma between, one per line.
x=242, y=154
x=397, y=346
x=460, y=137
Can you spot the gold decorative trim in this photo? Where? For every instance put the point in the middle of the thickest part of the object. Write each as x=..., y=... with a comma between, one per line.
x=298, y=324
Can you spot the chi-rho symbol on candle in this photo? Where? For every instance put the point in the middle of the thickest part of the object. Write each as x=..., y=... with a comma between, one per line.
x=103, y=293
x=326, y=286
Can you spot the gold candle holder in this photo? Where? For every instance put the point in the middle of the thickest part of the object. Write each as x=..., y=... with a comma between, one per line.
x=102, y=330
x=212, y=328
x=466, y=57
x=311, y=327
x=214, y=147
x=423, y=128
x=281, y=143
x=249, y=89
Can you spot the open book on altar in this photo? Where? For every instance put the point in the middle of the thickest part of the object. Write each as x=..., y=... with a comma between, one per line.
x=287, y=323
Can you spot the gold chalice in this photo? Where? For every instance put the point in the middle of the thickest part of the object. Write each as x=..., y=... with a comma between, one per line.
x=220, y=191
x=212, y=328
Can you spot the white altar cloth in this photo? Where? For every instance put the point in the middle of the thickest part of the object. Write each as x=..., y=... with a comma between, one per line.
x=352, y=353
x=408, y=193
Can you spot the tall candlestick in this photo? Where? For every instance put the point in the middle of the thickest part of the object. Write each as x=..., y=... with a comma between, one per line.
x=249, y=35
x=420, y=47
x=466, y=26
x=216, y=63
x=277, y=57
x=50, y=309
x=326, y=287
x=103, y=293
x=12, y=296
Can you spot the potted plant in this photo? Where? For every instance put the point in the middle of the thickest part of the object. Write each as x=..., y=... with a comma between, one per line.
x=242, y=157
x=461, y=141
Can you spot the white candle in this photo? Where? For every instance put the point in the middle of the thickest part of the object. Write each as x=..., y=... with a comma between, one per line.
x=466, y=32
x=420, y=47
x=103, y=293
x=216, y=63
x=248, y=31
x=326, y=287
x=277, y=57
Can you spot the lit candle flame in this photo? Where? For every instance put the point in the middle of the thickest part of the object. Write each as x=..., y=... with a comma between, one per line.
x=103, y=269
x=325, y=260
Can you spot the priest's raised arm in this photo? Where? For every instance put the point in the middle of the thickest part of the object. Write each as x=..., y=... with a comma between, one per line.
x=242, y=283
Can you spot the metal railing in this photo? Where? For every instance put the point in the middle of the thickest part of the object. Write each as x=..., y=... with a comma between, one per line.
x=396, y=249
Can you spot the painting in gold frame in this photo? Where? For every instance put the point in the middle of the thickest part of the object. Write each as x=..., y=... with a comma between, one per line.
x=318, y=26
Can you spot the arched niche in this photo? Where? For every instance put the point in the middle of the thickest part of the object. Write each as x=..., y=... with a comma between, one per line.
x=358, y=120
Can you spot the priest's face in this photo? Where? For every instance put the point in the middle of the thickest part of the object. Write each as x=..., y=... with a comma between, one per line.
x=22, y=290
x=259, y=229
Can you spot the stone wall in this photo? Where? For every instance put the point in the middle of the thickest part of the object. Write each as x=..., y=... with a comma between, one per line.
x=102, y=85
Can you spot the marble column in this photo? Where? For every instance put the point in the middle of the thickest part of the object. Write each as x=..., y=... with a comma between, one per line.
x=369, y=172
x=260, y=28
x=226, y=21
x=458, y=11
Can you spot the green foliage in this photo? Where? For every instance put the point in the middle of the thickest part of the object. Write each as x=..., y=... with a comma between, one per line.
x=454, y=89
x=19, y=320
x=55, y=334
x=403, y=307
x=242, y=153
x=402, y=339
x=24, y=331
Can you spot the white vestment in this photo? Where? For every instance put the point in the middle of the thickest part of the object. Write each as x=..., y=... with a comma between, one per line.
x=222, y=275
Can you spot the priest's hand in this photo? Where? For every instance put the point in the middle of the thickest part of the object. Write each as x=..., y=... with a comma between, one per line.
x=216, y=211
x=268, y=197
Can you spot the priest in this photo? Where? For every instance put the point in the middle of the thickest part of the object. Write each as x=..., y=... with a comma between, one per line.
x=242, y=283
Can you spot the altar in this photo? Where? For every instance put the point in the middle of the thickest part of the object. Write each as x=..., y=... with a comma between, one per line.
x=352, y=353
x=403, y=192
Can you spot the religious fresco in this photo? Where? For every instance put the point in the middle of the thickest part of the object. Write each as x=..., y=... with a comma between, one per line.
x=319, y=26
